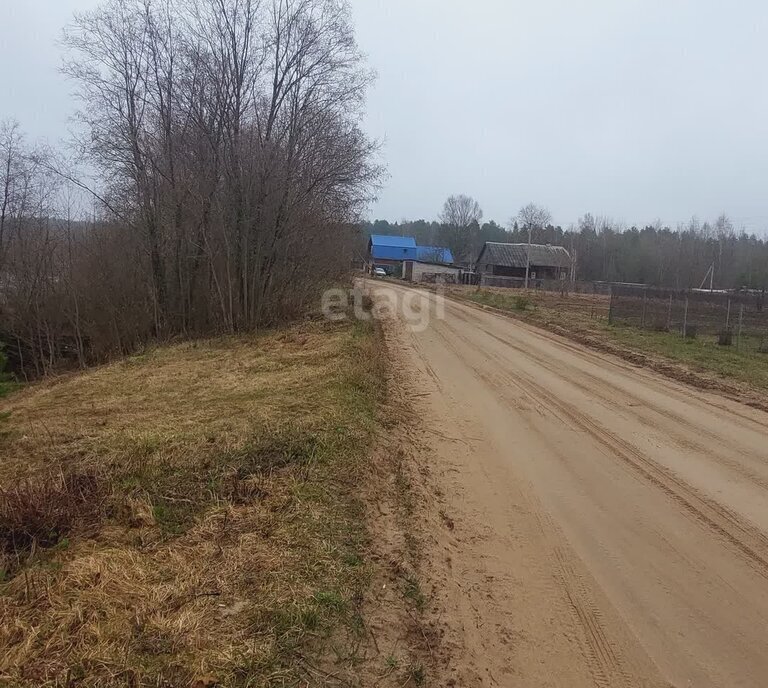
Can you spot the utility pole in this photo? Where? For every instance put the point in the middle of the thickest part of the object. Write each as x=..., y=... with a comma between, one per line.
x=573, y=265
x=573, y=261
x=711, y=275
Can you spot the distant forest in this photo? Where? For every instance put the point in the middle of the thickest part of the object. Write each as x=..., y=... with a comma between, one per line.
x=677, y=258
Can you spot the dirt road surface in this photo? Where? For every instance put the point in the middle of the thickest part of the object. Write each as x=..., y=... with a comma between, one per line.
x=605, y=526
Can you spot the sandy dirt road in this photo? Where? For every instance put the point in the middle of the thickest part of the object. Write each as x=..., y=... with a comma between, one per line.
x=608, y=527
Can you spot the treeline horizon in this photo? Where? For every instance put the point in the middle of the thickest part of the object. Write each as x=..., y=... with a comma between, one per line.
x=605, y=250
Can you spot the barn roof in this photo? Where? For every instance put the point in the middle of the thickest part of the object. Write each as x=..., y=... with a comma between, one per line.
x=393, y=241
x=514, y=255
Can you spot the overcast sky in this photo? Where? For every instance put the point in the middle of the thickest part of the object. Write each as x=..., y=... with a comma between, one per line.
x=635, y=109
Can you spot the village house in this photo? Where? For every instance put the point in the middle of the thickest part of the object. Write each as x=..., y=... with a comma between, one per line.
x=509, y=260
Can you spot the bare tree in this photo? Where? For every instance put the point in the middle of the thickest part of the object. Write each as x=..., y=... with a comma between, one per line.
x=532, y=217
x=227, y=127
x=11, y=163
x=231, y=171
x=460, y=220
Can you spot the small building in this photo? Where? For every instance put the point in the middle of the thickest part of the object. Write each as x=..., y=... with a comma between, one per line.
x=389, y=252
x=431, y=273
x=509, y=260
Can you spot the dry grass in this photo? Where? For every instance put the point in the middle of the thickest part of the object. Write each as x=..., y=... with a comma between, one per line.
x=229, y=542
x=540, y=306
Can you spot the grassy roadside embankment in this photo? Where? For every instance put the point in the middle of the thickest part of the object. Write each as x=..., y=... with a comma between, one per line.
x=585, y=318
x=191, y=516
x=6, y=387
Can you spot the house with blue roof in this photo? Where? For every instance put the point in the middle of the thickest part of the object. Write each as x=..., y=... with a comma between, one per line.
x=390, y=252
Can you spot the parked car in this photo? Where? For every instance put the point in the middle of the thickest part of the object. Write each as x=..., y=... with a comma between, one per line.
x=379, y=272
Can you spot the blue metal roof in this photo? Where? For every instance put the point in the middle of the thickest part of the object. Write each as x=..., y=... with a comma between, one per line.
x=393, y=252
x=393, y=241
x=434, y=254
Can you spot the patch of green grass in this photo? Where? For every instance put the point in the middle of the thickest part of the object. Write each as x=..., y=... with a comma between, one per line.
x=503, y=301
x=173, y=518
x=330, y=599
x=416, y=674
x=391, y=662
x=353, y=559
x=6, y=387
x=522, y=303
x=414, y=593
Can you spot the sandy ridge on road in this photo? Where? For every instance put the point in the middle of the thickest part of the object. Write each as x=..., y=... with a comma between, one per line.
x=610, y=525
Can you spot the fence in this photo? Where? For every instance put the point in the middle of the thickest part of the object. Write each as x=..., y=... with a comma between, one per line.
x=737, y=318
x=554, y=285
x=533, y=283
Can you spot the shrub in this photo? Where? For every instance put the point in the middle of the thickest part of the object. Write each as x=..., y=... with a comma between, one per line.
x=40, y=512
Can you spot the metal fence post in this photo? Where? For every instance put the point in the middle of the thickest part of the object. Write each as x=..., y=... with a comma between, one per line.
x=645, y=303
x=728, y=315
x=685, y=318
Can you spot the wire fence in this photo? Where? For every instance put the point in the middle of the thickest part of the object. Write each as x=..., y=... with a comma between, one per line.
x=563, y=286
x=738, y=319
